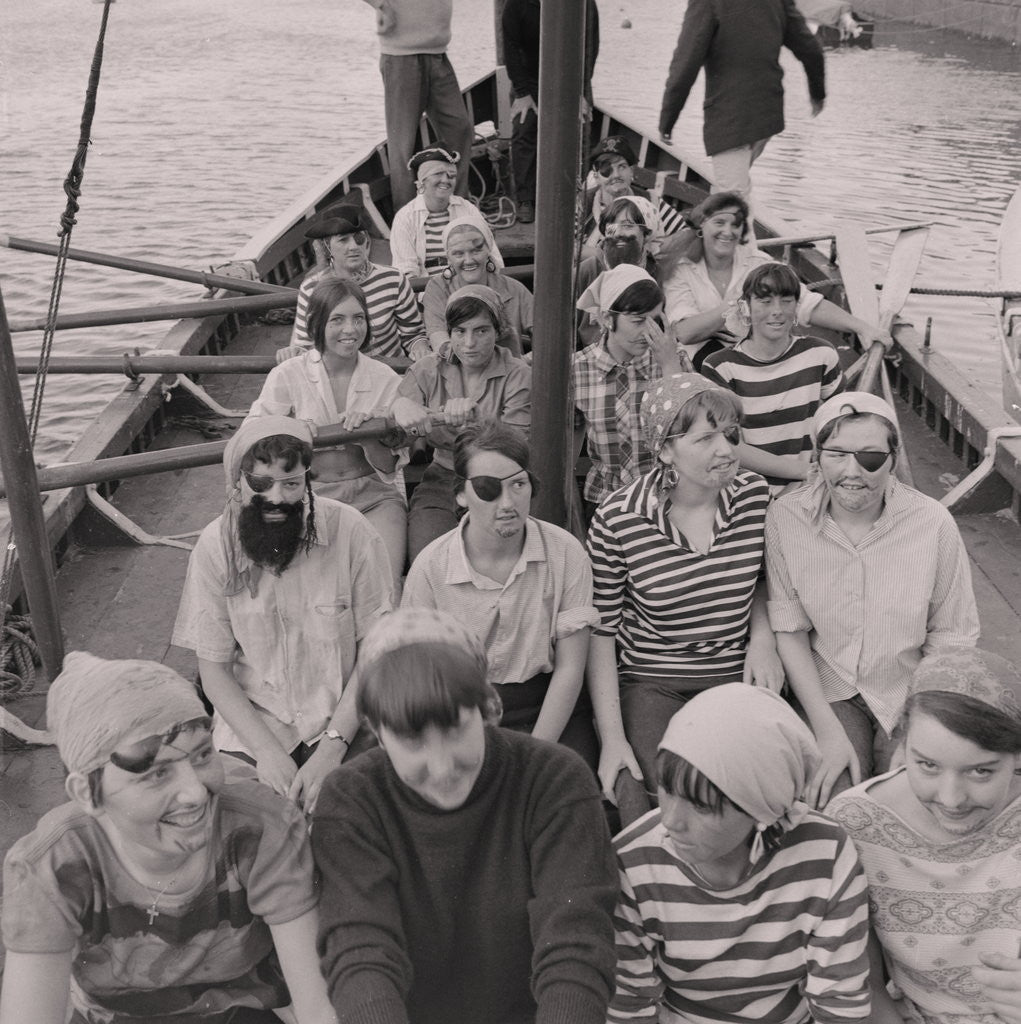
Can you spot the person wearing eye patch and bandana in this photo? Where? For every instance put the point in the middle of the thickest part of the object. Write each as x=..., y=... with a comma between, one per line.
x=866, y=576
x=160, y=891
x=524, y=586
x=279, y=592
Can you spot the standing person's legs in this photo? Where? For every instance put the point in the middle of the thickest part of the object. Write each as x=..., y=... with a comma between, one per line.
x=404, y=99
x=732, y=172
x=524, y=146
x=448, y=114
x=433, y=509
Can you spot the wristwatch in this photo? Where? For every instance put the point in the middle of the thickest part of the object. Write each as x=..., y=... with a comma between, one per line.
x=332, y=734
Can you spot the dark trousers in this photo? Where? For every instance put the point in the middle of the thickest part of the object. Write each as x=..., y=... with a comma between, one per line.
x=524, y=146
x=522, y=703
x=432, y=510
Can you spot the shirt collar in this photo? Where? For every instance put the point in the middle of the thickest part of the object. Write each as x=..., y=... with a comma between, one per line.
x=497, y=367
x=459, y=569
x=606, y=364
x=815, y=500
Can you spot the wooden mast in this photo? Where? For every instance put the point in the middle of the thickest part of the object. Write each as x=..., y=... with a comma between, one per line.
x=561, y=70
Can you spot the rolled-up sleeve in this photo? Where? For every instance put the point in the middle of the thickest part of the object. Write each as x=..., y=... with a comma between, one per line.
x=786, y=614
x=609, y=576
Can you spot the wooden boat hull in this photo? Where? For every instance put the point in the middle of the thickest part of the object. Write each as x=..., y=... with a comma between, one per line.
x=950, y=405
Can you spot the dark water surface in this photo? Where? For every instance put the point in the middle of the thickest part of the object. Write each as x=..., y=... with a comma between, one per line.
x=212, y=117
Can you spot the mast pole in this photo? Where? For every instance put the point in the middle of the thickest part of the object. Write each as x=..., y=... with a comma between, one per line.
x=561, y=69
x=28, y=527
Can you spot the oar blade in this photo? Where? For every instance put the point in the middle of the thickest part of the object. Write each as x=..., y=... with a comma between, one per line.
x=900, y=275
x=856, y=271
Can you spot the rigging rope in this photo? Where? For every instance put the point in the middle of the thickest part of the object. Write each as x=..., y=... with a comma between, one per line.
x=19, y=655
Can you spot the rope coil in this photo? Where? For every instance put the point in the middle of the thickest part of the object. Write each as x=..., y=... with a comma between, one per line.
x=19, y=655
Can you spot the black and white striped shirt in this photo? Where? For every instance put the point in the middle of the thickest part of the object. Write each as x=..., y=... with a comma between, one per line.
x=674, y=611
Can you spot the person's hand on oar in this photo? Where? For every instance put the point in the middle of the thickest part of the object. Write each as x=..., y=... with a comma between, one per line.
x=869, y=335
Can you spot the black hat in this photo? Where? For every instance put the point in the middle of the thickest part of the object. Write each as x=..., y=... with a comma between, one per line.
x=343, y=219
x=438, y=152
x=613, y=145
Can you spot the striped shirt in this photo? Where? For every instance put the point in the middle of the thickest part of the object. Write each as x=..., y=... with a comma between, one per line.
x=407, y=234
x=785, y=946
x=616, y=443
x=397, y=328
x=904, y=591
x=779, y=395
x=674, y=611
x=435, y=250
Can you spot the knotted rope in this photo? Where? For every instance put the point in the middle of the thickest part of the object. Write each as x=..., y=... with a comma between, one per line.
x=19, y=655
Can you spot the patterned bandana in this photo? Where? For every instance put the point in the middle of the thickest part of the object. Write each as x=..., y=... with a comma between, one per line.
x=95, y=706
x=663, y=402
x=974, y=673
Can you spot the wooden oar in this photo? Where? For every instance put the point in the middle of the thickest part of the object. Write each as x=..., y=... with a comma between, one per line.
x=856, y=272
x=132, y=365
x=164, y=311
x=102, y=259
x=778, y=243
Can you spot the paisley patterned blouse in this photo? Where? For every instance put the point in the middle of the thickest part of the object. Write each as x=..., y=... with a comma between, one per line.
x=936, y=906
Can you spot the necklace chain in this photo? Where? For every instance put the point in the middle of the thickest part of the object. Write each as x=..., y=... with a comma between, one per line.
x=152, y=910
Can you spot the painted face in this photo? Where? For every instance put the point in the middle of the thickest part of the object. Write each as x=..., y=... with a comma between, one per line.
x=615, y=176
x=958, y=783
x=275, y=485
x=438, y=187
x=467, y=253
x=167, y=809
x=506, y=514
x=440, y=765
x=772, y=317
x=853, y=487
x=703, y=837
x=721, y=232
x=704, y=456
x=350, y=253
x=629, y=338
x=474, y=341
x=346, y=327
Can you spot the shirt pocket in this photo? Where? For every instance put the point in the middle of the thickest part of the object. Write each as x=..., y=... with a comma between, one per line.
x=331, y=635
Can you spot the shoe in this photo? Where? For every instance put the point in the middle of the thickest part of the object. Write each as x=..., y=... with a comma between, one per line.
x=526, y=211
x=666, y=138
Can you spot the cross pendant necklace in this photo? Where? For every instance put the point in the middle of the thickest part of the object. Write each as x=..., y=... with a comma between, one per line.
x=152, y=910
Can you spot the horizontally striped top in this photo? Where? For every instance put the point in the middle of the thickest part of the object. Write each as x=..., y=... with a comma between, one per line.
x=674, y=611
x=435, y=250
x=397, y=328
x=779, y=395
x=785, y=946
x=905, y=591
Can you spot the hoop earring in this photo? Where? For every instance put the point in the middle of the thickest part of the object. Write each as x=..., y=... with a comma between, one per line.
x=670, y=478
x=795, y=322
x=698, y=232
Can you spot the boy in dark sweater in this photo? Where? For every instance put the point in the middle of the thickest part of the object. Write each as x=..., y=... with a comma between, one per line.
x=467, y=871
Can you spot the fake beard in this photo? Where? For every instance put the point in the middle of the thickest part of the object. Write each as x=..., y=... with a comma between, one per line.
x=620, y=249
x=271, y=544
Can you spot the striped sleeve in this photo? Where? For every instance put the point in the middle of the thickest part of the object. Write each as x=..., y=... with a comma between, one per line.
x=837, y=987
x=299, y=332
x=669, y=219
x=409, y=321
x=833, y=376
x=639, y=986
x=609, y=575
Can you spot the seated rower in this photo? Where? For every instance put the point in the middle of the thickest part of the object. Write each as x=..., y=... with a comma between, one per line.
x=524, y=586
x=467, y=872
x=416, y=235
x=335, y=382
x=904, y=590
x=738, y=902
x=159, y=892
x=280, y=590
x=341, y=236
x=477, y=378
x=780, y=377
x=626, y=236
x=703, y=288
x=613, y=161
x=468, y=245
x=611, y=375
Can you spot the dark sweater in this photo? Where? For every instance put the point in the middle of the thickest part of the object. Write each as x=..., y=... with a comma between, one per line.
x=738, y=42
x=498, y=912
x=520, y=26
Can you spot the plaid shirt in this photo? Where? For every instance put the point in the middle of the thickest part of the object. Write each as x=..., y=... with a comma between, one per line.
x=616, y=444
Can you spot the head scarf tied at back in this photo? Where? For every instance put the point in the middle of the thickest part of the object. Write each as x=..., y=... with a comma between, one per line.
x=604, y=291
x=662, y=404
x=974, y=673
x=95, y=706
x=751, y=745
x=462, y=224
x=242, y=572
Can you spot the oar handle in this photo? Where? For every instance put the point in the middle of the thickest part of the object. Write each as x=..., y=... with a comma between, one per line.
x=873, y=364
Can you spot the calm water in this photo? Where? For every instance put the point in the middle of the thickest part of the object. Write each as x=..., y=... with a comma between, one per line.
x=211, y=117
